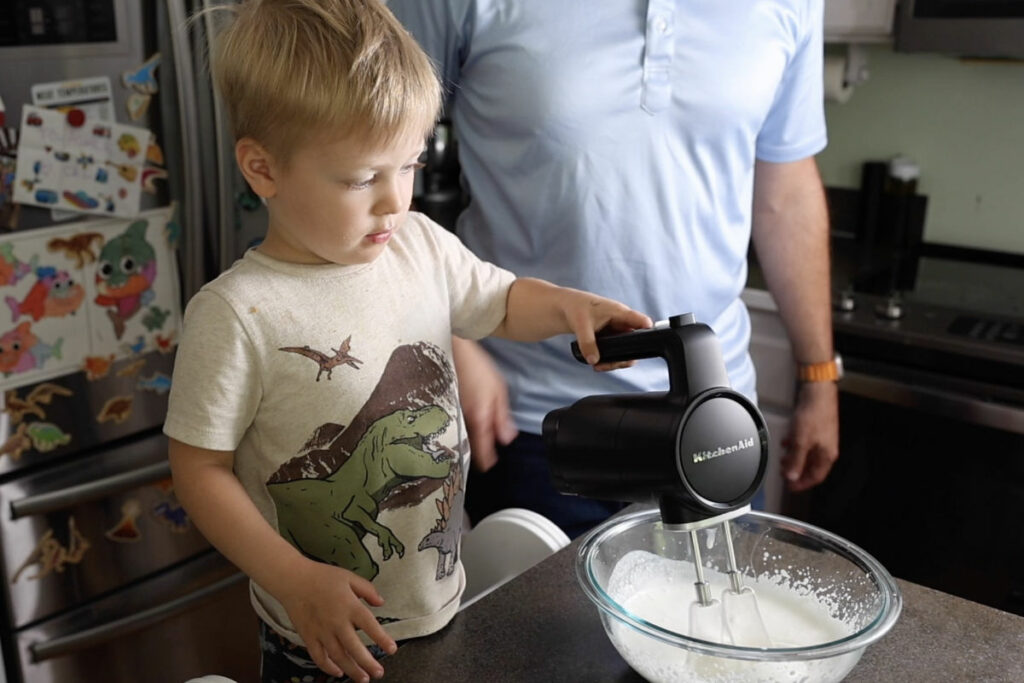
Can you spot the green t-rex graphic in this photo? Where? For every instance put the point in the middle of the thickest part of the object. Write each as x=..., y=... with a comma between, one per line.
x=326, y=519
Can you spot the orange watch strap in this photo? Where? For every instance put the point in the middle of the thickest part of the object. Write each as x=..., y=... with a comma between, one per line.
x=819, y=372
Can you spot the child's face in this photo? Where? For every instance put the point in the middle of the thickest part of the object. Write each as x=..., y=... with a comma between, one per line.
x=339, y=203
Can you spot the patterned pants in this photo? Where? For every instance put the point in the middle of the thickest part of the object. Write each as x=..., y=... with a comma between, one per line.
x=285, y=662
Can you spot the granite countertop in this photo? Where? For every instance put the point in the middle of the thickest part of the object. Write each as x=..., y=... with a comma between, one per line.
x=541, y=627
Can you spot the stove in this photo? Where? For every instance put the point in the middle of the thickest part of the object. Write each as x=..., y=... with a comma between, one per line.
x=930, y=477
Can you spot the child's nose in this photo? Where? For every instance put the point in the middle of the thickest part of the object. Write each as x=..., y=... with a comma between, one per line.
x=389, y=200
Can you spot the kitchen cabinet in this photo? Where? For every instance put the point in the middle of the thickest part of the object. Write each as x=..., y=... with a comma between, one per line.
x=859, y=21
x=776, y=383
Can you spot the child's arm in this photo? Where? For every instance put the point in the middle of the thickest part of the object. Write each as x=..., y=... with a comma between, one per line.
x=537, y=310
x=323, y=601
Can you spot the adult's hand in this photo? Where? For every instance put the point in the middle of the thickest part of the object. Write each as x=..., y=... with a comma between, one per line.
x=812, y=445
x=484, y=398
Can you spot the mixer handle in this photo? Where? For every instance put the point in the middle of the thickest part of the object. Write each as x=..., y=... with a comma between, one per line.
x=690, y=349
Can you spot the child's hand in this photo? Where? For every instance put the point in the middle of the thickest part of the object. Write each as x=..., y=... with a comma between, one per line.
x=588, y=313
x=325, y=608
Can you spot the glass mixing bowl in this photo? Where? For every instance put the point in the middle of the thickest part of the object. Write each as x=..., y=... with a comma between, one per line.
x=804, y=578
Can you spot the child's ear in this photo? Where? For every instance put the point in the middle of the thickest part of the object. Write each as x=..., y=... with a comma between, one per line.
x=257, y=166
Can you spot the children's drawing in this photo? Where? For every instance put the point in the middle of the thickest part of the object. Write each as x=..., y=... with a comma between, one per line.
x=64, y=159
x=135, y=348
x=92, y=293
x=165, y=344
x=40, y=396
x=78, y=247
x=55, y=294
x=116, y=409
x=125, y=273
x=127, y=530
x=52, y=556
x=155, y=318
x=21, y=350
x=47, y=436
x=158, y=383
x=11, y=268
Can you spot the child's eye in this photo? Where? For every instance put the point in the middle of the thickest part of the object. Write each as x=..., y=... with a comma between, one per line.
x=415, y=166
x=360, y=185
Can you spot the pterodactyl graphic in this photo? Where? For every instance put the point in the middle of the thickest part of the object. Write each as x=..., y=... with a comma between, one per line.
x=327, y=363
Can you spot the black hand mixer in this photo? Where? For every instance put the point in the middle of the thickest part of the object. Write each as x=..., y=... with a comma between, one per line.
x=700, y=450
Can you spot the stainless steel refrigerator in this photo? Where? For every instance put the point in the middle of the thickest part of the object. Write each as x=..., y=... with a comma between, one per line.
x=105, y=577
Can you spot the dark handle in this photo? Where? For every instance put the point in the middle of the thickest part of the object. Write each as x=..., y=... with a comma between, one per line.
x=690, y=349
x=92, y=490
x=58, y=647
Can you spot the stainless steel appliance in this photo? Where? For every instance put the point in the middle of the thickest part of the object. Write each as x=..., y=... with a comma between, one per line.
x=105, y=578
x=930, y=477
x=973, y=28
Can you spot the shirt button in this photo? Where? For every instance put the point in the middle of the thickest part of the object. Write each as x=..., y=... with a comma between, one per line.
x=660, y=25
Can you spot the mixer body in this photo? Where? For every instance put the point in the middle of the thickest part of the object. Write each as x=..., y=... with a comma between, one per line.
x=700, y=449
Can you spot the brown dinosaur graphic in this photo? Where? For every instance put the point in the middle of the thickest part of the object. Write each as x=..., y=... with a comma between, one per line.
x=327, y=363
x=448, y=529
x=78, y=247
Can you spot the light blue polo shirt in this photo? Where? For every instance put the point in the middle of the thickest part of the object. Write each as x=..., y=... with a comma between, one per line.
x=610, y=146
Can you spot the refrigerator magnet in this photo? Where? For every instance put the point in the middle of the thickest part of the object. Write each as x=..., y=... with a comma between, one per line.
x=142, y=79
x=33, y=403
x=173, y=515
x=116, y=409
x=47, y=436
x=17, y=444
x=132, y=368
x=158, y=383
x=52, y=556
x=127, y=530
x=97, y=366
x=78, y=247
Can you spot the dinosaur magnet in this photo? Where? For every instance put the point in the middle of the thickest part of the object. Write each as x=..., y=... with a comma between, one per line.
x=78, y=247
x=142, y=79
x=127, y=530
x=116, y=409
x=327, y=363
x=97, y=366
x=158, y=383
x=52, y=556
x=17, y=444
x=47, y=436
x=149, y=177
x=33, y=403
x=155, y=154
x=137, y=105
x=173, y=515
x=132, y=369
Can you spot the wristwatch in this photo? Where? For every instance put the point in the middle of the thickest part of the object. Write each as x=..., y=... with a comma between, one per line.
x=829, y=371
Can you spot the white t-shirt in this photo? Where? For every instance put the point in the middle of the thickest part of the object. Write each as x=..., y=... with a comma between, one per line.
x=335, y=389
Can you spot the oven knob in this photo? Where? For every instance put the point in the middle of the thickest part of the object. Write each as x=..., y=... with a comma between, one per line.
x=891, y=309
x=844, y=301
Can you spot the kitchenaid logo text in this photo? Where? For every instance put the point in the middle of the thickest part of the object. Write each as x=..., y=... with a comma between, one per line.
x=701, y=456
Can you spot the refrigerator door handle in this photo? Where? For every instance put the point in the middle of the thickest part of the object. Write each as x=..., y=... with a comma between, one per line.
x=59, y=647
x=93, y=490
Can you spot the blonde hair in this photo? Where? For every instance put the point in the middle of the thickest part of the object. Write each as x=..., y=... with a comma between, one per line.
x=290, y=70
